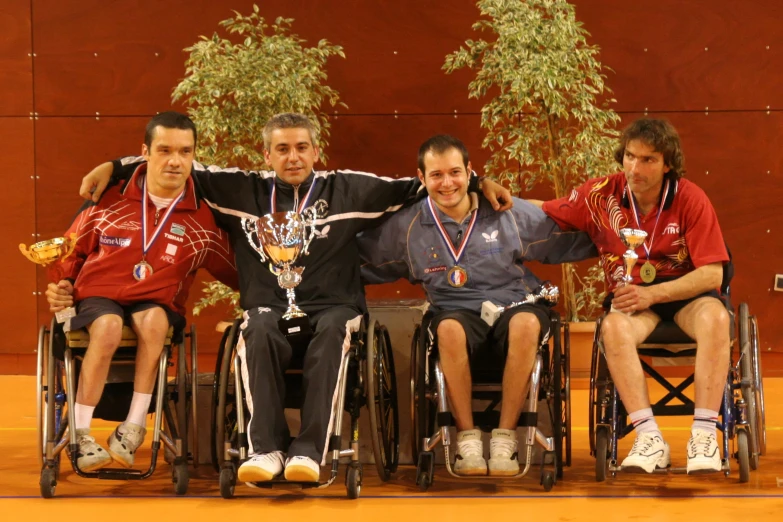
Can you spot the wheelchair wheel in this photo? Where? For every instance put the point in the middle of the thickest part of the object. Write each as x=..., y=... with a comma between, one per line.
x=382, y=401
x=353, y=480
x=761, y=432
x=548, y=480
x=41, y=389
x=228, y=480
x=743, y=456
x=47, y=483
x=181, y=404
x=225, y=426
x=180, y=478
x=556, y=400
x=746, y=364
x=217, y=448
x=422, y=409
x=565, y=363
x=601, y=453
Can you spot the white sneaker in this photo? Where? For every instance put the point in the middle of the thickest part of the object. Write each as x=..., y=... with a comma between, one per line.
x=302, y=469
x=503, y=456
x=261, y=468
x=649, y=452
x=470, y=454
x=703, y=454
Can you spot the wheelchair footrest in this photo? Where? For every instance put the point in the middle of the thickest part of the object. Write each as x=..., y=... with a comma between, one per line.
x=282, y=483
x=119, y=474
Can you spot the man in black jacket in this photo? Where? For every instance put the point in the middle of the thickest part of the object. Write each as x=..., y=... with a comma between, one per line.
x=331, y=293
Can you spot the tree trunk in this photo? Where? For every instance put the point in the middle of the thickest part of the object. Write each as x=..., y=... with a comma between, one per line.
x=567, y=287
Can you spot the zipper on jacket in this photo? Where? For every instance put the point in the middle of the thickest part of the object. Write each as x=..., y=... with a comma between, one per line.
x=296, y=198
x=157, y=215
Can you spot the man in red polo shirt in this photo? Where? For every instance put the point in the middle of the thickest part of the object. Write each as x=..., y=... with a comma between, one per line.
x=679, y=270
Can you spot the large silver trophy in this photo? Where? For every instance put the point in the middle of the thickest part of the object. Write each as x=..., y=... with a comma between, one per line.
x=632, y=238
x=282, y=238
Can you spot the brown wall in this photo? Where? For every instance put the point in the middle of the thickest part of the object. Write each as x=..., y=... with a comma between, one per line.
x=79, y=79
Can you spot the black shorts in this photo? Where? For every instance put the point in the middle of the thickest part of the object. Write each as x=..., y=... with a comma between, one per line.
x=92, y=308
x=481, y=337
x=667, y=311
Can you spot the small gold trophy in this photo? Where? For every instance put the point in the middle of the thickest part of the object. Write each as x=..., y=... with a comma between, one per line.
x=49, y=251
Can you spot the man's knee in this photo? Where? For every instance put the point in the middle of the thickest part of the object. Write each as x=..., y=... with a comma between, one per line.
x=524, y=330
x=713, y=320
x=106, y=333
x=617, y=333
x=451, y=338
x=151, y=325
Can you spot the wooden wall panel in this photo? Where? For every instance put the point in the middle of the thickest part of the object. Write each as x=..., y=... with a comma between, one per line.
x=17, y=277
x=670, y=55
x=395, y=51
x=16, y=75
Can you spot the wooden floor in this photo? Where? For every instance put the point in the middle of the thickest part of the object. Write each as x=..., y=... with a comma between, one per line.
x=577, y=497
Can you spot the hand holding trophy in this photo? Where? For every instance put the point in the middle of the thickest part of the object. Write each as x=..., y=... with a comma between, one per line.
x=49, y=251
x=633, y=239
x=283, y=237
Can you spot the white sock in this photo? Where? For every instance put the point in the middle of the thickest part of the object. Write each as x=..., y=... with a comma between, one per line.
x=644, y=422
x=704, y=419
x=139, y=407
x=83, y=416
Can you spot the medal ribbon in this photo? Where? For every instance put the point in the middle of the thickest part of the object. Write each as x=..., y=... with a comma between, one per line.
x=456, y=254
x=302, y=205
x=636, y=215
x=148, y=243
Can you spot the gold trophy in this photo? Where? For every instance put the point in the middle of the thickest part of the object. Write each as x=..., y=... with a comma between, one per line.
x=49, y=251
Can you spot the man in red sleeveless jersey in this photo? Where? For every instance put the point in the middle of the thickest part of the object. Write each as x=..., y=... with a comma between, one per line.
x=677, y=278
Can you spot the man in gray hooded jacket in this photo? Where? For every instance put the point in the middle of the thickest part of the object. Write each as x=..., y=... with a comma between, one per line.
x=464, y=253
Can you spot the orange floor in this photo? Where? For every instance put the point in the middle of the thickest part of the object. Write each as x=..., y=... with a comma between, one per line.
x=578, y=497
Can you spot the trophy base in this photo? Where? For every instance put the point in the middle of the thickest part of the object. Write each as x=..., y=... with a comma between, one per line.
x=65, y=314
x=296, y=327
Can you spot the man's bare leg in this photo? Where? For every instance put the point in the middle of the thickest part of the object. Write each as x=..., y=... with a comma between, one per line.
x=455, y=363
x=524, y=331
x=707, y=322
x=621, y=335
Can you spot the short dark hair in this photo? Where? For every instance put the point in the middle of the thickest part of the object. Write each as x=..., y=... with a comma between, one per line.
x=289, y=120
x=662, y=137
x=169, y=120
x=438, y=145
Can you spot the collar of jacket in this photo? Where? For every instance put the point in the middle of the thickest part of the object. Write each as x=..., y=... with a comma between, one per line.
x=288, y=189
x=428, y=219
x=132, y=189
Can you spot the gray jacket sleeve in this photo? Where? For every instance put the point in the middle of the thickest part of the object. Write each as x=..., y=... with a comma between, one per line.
x=383, y=251
x=543, y=241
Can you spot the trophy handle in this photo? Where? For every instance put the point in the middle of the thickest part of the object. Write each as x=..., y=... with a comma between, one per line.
x=26, y=253
x=70, y=244
x=309, y=217
x=250, y=227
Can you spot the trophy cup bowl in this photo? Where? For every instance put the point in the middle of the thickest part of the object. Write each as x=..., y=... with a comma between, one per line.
x=283, y=237
x=633, y=239
x=49, y=251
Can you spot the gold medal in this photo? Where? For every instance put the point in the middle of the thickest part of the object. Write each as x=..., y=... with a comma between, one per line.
x=647, y=272
x=457, y=277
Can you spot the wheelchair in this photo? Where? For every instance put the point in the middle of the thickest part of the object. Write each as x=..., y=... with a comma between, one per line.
x=742, y=417
x=367, y=379
x=549, y=381
x=59, y=363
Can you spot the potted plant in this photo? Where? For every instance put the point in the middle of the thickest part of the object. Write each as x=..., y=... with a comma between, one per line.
x=547, y=113
x=234, y=84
